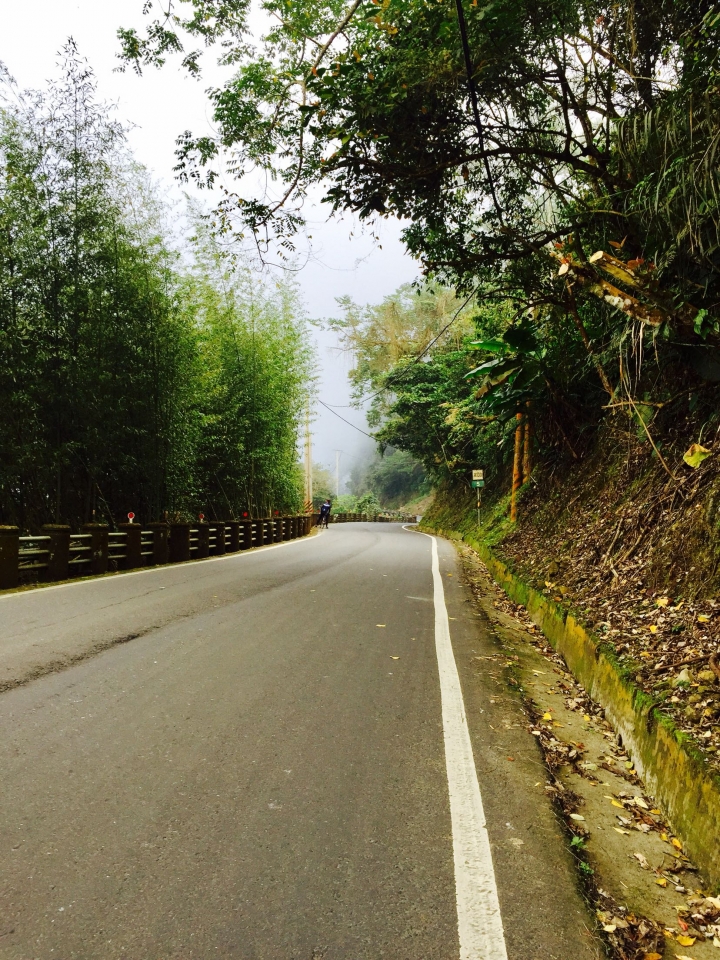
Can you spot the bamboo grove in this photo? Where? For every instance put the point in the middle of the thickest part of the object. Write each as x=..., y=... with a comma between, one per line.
x=140, y=372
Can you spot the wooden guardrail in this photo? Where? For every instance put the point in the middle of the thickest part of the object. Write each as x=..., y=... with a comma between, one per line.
x=59, y=554
x=387, y=517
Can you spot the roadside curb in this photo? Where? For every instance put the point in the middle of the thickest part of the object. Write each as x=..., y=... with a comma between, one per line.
x=672, y=767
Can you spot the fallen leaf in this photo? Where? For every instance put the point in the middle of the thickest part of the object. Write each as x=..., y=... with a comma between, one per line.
x=662, y=601
x=616, y=803
x=682, y=956
x=703, y=619
x=676, y=843
x=695, y=455
x=652, y=956
x=379, y=624
x=625, y=833
x=394, y=658
x=653, y=628
x=511, y=758
x=685, y=941
x=576, y=816
x=642, y=860
x=547, y=716
x=661, y=882
x=586, y=718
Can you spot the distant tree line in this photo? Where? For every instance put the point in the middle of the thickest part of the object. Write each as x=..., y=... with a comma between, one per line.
x=135, y=376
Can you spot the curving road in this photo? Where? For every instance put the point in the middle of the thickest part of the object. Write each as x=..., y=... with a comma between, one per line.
x=259, y=758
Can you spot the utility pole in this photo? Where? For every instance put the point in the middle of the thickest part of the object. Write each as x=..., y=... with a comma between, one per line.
x=308, y=459
x=337, y=472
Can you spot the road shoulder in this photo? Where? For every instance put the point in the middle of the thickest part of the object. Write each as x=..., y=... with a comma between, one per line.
x=544, y=914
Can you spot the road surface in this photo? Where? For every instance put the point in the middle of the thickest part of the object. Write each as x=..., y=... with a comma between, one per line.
x=267, y=757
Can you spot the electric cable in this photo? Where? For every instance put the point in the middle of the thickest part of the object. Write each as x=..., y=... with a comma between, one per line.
x=344, y=420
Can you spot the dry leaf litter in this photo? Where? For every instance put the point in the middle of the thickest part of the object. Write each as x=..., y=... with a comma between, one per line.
x=629, y=935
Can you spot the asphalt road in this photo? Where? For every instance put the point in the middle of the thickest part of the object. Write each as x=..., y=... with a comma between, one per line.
x=245, y=758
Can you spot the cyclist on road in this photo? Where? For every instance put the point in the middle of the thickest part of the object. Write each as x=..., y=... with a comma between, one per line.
x=325, y=513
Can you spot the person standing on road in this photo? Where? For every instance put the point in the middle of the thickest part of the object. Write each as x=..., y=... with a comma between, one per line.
x=325, y=513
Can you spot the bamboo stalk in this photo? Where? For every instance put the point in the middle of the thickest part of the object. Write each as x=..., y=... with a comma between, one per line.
x=517, y=466
x=527, y=451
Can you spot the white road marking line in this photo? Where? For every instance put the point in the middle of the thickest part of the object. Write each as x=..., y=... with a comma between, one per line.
x=479, y=920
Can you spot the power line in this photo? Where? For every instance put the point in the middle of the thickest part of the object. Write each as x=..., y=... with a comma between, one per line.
x=392, y=379
x=344, y=420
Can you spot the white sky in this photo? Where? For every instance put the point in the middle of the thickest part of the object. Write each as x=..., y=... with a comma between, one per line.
x=162, y=104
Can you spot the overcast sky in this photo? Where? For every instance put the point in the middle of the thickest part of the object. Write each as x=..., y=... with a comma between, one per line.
x=162, y=104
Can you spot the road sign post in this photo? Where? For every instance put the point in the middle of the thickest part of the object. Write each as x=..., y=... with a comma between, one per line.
x=477, y=483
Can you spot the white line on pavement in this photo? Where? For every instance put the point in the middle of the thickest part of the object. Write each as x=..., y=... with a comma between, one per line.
x=479, y=920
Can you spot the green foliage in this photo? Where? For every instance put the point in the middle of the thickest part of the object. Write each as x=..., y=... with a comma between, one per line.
x=256, y=365
x=396, y=477
x=518, y=371
x=578, y=207
x=371, y=102
x=128, y=382
x=368, y=503
x=323, y=485
x=345, y=503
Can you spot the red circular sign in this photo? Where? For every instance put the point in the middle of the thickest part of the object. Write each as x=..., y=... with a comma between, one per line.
x=245, y=514
x=202, y=516
x=131, y=517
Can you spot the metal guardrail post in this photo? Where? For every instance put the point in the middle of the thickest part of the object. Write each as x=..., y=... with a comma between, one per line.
x=203, y=540
x=179, y=542
x=161, y=543
x=58, y=566
x=133, y=546
x=98, y=546
x=9, y=557
x=219, y=530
